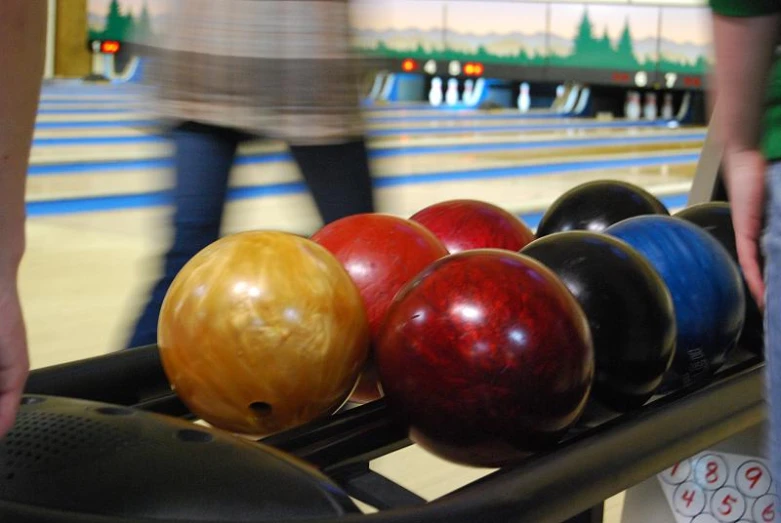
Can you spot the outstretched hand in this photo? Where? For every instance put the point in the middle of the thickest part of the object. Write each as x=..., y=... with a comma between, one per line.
x=14, y=359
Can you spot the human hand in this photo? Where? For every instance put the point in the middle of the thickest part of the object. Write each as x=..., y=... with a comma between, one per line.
x=14, y=358
x=745, y=181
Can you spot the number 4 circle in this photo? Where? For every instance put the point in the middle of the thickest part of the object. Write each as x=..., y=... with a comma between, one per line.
x=689, y=499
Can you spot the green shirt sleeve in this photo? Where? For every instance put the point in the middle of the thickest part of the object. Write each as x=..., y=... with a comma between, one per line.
x=745, y=7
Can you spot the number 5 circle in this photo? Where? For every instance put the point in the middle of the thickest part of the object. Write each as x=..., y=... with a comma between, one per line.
x=728, y=505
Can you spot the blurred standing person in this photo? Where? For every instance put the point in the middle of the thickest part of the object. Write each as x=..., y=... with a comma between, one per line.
x=22, y=55
x=227, y=71
x=747, y=34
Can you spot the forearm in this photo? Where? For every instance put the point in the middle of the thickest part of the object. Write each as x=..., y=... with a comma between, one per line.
x=22, y=54
x=744, y=55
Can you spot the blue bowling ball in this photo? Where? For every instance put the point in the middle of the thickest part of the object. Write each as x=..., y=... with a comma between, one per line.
x=704, y=282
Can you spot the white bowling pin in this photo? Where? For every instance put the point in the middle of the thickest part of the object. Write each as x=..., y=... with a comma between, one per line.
x=435, y=94
x=524, y=98
x=469, y=91
x=650, y=110
x=668, y=112
x=451, y=96
x=633, y=110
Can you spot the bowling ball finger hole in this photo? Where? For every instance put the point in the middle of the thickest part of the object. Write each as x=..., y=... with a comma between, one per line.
x=260, y=407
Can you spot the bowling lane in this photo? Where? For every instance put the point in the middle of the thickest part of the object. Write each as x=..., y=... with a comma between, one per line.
x=527, y=196
x=107, y=179
x=56, y=146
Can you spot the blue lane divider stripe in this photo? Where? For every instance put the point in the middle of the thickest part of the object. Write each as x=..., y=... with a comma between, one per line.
x=264, y=158
x=96, y=124
x=533, y=170
x=159, y=199
x=103, y=124
x=131, y=201
x=96, y=110
x=394, y=151
x=518, y=128
x=128, y=107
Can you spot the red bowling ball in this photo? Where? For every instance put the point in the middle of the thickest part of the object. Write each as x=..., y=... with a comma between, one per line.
x=381, y=253
x=487, y=356
x=470, y=224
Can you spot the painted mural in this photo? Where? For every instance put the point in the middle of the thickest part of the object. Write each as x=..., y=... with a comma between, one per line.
x=685, y=42
x=125, y=20
x=592, y=36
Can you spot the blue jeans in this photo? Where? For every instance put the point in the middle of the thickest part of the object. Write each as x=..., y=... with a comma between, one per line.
x=772, y=252
x=337, y=175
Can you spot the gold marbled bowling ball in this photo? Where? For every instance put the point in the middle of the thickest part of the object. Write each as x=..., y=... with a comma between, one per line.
x=263, y=331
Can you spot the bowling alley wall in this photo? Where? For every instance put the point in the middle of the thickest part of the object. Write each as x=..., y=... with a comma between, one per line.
x=655, y=36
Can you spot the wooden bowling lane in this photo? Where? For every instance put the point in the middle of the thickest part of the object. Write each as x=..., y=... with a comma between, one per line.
x=57, y=146
x=112, y=178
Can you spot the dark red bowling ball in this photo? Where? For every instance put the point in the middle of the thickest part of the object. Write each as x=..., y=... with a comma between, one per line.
x=487, y=356
x=381, y=253
x=629, y=308
x=470, y=224
x=595, y=206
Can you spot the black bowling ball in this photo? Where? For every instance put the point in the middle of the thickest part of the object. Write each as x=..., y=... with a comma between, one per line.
x=73, y=460
x=716, y=218
x=595, y=206
x=629, y=310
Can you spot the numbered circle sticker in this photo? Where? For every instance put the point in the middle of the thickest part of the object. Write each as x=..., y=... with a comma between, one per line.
x=689, y=499
x=678, y=473
x=753, y=479
x=764, y=510
x=705, y=518
x=728, y=505
x=711, y=472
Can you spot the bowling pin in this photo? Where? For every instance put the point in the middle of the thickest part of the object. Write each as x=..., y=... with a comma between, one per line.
x=524, y=99
x=469, y=91
x=451, y=96
x=667, y=108
x=435, y=94
x=633, y=108
x=650, y=111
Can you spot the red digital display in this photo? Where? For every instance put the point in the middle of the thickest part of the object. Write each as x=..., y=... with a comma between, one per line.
x=110, y=47
x=473, y=69
x=409, y=65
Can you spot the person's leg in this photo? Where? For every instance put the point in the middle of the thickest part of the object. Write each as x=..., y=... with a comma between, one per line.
x=338, y=176
x=772, y=252
x=203, y=160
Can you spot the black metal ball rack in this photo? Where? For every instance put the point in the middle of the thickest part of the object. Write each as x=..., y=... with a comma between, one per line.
x=568, y=483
